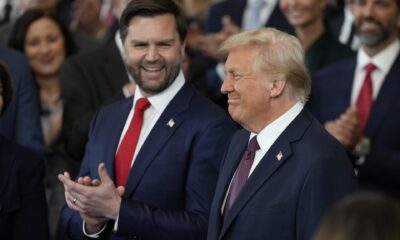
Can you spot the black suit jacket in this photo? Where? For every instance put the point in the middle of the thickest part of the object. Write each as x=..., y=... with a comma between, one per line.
x=285, y=197
x=89, y=81
x=23, y=213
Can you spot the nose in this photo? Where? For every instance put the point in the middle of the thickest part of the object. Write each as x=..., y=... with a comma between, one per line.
x=44, y=47
x=152, y=54
x=227, y=85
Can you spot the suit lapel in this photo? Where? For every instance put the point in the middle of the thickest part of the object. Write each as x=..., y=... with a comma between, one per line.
x=269, y=164
x=387, y=94
x=119, y=119
x=159, y=136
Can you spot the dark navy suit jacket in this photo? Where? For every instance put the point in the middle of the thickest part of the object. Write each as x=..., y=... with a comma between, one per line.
x=171, y=184
x=235, y=9
x=21, y=121
x=23, y=212
x=286, y=198
x=330, y=97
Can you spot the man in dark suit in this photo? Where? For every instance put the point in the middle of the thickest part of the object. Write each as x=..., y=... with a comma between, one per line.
x=23, y=213
x=292, y=169
x=169, y=189
x=21, y=122
x=368, y=127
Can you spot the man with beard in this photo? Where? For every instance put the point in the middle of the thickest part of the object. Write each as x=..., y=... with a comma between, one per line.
x=149, y=171
x=358, y=99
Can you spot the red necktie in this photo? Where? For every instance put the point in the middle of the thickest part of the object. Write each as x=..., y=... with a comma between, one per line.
x=364, y=101
x=241, y=174
x=124, y=156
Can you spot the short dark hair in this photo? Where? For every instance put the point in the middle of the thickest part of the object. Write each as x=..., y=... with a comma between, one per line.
x=151, y=8
x=18, y=33
x=5, y=83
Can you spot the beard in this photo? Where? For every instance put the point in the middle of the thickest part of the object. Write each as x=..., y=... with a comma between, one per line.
x=147, y=85
x=374, y=38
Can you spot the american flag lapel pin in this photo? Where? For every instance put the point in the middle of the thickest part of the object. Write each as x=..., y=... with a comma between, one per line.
x=279, y=156
x=171, y=123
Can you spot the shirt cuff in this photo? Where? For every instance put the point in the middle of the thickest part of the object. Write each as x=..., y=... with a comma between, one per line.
x=94, y=235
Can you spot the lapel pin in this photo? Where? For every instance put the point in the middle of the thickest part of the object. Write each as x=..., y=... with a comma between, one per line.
x=279, y=156
x=171, y=123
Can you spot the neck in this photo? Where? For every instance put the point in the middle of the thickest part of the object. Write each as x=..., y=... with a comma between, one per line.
x=49, y=90
x=275, y=110
x=310, y=32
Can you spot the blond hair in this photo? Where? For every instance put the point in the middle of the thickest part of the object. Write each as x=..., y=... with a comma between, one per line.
x=280, y=54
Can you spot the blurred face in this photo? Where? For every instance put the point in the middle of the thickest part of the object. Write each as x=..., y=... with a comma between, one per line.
x=376, y=21
x=302, y=13
x=44, y=47
x=153, y=52
x=248, y=92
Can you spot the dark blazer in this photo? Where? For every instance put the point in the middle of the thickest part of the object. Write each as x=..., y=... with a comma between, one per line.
x=20, y=123
x=23, y=213
x=330, y=97
x=171, y=184
x=283, y=199
x=325, y=51
x=235, y=9
x=89, y=81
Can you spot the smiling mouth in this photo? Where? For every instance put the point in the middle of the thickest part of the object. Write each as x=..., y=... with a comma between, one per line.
x=152, y=69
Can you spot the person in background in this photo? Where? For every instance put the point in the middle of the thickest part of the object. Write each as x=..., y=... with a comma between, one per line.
x=14, y=125
x=90, y=81
x=321, y=46
x=45, y=41
x=152, y=160
x=23, y=213
x=292, y=170
x=363, y=215
x=358, y=101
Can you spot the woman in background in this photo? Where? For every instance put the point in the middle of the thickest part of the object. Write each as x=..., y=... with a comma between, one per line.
x=321, y=47
x=46, y=42
x=23, y=213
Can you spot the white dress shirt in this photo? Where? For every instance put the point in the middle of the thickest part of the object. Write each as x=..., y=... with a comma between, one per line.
x=383, y=62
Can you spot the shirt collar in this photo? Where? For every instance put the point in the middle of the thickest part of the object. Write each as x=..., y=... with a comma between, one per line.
x=160, y=100
x=271, y=132
x=383, y=60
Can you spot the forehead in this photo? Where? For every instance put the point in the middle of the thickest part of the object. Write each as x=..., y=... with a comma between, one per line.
x=145, y=27
x=242, y=57
x=43, y=24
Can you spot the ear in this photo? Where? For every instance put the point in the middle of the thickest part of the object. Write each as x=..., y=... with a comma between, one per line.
x=277, y=88
x=183, y=48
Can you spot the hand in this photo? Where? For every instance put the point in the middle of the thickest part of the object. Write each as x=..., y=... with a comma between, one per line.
x=229, y=27
x=94, y=198
x=346, y=128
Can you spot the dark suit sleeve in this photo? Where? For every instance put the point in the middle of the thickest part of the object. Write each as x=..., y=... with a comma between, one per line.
x=326, y=183
x=21, y=122
x=148, y=222
x=382, y=166
x=79, y=105
x=30, y=221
